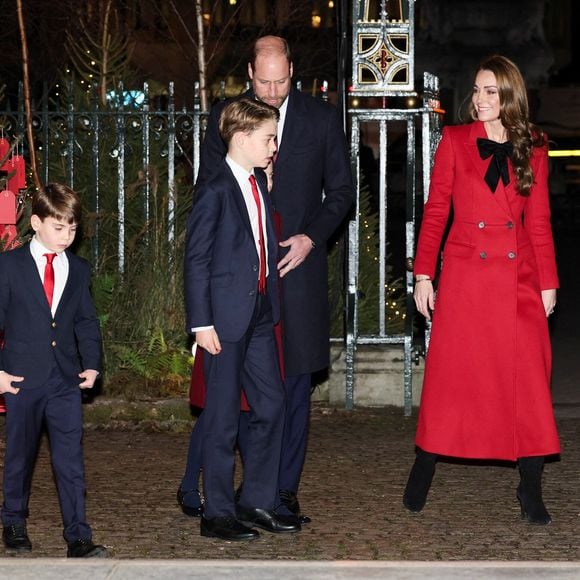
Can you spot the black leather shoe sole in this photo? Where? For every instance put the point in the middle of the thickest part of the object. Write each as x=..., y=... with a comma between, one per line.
x=269, y=521
x=18, y=548
x=236, y=533
x=86, y=549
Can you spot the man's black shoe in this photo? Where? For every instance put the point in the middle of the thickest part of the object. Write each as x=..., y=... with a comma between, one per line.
x=268, y=520
x=84, y=548
x=227, y=528
x=290, y=500
x=188, y=510
x=15, y=538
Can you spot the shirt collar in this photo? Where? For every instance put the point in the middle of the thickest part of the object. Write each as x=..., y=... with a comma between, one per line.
x=240, y=173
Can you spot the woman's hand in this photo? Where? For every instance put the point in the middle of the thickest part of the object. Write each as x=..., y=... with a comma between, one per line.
x=424, y=296
x=549, y=301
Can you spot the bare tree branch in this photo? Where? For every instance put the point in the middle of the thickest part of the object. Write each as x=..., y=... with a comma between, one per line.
x=27, y=105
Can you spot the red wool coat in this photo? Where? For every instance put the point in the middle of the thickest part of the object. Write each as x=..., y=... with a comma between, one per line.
x=486, y=392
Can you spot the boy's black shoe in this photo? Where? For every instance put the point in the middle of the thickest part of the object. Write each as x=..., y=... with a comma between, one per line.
x=83, y=548
x=227, y=528
x=15, y=538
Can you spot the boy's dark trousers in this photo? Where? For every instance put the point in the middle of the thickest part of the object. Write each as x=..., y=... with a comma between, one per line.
x=253, y=362
x=56, y=405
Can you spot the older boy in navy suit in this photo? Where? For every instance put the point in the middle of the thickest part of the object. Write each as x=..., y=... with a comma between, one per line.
x=52, y=346
x=232, y=304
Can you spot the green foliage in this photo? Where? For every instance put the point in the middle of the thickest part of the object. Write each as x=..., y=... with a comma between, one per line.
x=140, y=305
x=368, y=279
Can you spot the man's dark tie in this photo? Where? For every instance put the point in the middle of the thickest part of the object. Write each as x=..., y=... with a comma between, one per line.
x=262, y=275
x=48, y=281
x=498, y=166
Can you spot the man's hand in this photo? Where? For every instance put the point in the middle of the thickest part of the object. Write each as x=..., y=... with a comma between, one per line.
x=300, y=246
x=90, y=377
x=6, y=383
x=208, y=340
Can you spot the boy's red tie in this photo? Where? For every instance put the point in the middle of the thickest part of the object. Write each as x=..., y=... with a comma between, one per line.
x=49, y=277
x=262, y=275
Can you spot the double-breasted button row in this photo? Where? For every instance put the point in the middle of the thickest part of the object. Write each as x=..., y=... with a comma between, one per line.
x=482, y=224
x=510, y=255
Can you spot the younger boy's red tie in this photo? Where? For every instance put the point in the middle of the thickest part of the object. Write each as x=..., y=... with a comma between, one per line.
x=48, y=281
x=262, y=275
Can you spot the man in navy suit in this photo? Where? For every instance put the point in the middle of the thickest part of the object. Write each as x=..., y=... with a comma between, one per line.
x=312, y=191
x=52, y=346
x=231, y=297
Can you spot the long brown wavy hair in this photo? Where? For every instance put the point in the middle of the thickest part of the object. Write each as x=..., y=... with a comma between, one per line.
x=514, y=116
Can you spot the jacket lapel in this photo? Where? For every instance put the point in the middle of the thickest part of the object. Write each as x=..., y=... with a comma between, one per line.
x=71, y=281
x=238, y=197
x=31, y=278
x=477, y=130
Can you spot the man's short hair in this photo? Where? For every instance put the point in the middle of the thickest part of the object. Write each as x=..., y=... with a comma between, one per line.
x=268, y=46
x=57, y=201
x=245, y=115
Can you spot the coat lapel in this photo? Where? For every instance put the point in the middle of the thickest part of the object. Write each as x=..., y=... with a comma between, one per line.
x=292, y=128
x=477, y=130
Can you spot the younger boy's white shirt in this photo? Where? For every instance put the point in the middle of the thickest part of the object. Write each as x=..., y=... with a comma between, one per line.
x=243, y=178
x=60, y=265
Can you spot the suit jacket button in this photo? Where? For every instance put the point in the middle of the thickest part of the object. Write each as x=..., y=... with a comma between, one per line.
x=53, y=343
x=511, y=255
x=483, y=255
x=53, y=324
x=252, y=292
x=255, y=268
x=510, y=225
x=481, y=225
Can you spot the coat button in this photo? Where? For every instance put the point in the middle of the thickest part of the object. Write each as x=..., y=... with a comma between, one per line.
x=510, y=225
x=511, y=255
x=481, y=225
x=251, y=292
x=483, y=255
x=53, y=343
x=53, y=324
x=255, y=268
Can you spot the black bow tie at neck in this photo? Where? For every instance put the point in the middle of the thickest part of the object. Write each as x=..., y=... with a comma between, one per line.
x=498, y=166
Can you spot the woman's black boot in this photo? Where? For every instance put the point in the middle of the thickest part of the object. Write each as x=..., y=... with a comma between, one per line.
x=530, y=491
x=420, y=480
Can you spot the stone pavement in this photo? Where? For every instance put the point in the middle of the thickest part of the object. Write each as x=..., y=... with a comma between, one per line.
x=352, y=486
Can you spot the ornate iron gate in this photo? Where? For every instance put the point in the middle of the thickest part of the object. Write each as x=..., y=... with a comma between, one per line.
x=383, y=68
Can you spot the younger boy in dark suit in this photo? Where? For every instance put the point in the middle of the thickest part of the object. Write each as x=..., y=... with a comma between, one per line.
x=232, y=304
x=52, y=349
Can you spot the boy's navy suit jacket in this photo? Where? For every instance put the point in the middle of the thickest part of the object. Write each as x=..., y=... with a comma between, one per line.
x=221, y=259
x=33, y=339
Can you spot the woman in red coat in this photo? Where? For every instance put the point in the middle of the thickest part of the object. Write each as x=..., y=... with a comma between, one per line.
x=486, y=393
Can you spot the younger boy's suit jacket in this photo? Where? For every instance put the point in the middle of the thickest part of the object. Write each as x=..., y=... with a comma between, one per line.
x=221, y=260
x=33, y=339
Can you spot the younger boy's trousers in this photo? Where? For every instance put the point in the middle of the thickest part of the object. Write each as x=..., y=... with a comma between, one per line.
x=57, y=405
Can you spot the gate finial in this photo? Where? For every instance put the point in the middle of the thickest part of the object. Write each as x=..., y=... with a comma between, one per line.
x=383, y=47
